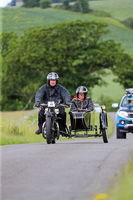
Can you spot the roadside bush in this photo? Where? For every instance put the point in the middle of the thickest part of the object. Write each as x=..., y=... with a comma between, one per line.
x=45, y=3
x=128, y=22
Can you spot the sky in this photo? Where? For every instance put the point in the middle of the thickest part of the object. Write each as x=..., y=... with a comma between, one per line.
x=3, y=3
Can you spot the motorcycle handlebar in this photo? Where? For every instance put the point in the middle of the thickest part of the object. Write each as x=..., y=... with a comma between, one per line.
x=56, y=104
x=82, y=110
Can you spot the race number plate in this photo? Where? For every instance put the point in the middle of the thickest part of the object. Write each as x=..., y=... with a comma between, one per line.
x=51, y=104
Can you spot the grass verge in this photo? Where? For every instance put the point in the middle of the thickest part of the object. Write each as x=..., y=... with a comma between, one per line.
x=122, y=190
x=19, y=127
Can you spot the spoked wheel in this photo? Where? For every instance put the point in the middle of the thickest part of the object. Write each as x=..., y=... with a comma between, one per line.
x=105, y=135
x=48, y=130
x=44, y=130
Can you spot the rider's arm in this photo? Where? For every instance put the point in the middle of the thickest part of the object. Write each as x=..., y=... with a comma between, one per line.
x=90, y=105
x=40, y=94
x=73, y=107
x=65, y=94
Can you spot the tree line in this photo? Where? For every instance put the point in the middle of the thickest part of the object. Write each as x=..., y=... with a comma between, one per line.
x=79, y=5
x=75, y=50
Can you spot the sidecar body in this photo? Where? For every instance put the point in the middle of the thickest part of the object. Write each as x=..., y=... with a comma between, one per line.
x=83, y=120
x=83, y=124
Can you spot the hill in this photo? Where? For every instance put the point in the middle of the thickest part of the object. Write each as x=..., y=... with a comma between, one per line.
x=20, y=19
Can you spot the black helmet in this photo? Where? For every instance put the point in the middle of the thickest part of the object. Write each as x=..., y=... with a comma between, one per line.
x=52, y=76
x=81, y=89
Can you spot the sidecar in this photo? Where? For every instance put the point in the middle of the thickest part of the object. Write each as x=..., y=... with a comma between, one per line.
x=83, y=124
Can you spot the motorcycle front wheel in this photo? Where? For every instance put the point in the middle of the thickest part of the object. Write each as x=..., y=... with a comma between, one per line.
x=48, y=130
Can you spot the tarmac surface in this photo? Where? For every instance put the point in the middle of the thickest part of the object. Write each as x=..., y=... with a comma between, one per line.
x=67, y=170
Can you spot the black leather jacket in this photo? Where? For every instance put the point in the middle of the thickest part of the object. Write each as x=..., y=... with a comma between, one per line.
x=48, y=93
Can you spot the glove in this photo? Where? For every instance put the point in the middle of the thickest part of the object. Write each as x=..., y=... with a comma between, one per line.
x=37, y=104
x=68, y=103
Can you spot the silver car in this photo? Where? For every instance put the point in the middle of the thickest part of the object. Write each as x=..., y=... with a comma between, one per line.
x=98, y=108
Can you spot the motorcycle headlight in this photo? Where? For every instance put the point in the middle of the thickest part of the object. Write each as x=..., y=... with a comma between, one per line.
x=57, y=111
x=123, y=114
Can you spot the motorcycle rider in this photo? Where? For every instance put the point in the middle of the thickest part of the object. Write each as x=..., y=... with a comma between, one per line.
x=52, y=91
x=81, y=101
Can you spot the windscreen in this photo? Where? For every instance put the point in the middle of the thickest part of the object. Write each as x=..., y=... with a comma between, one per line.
x=127, y=101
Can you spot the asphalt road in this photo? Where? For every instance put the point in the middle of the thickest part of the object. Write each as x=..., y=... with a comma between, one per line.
x=70, y=170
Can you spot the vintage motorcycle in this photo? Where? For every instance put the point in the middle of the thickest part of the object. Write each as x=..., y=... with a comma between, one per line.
x=80, y=121
x=50, y=128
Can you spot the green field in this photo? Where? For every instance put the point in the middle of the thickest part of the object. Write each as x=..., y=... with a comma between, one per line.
x=119, y=9
x=20, y=19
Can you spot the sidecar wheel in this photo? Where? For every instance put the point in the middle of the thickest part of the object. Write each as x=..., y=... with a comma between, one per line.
x=105, y=135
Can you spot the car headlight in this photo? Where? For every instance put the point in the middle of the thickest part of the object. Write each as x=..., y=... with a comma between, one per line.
x=123, y=114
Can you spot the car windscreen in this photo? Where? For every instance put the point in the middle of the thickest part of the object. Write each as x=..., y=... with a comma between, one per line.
x=127, y=101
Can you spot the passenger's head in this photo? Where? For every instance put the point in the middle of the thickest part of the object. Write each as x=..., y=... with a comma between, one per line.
x=52, y=78
x=81, y=92
x=81, y=96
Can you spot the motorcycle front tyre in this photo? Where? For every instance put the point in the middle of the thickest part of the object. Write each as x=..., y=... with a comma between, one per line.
x=48, y=130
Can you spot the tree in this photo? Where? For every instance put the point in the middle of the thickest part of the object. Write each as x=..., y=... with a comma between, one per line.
x=45, y=3
x=5, y=41
x=124, y=72
x=66, y=4
x=84, y=6
x=128, y=22
x=74, y=50
x=56, y=1
x=31, y=3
